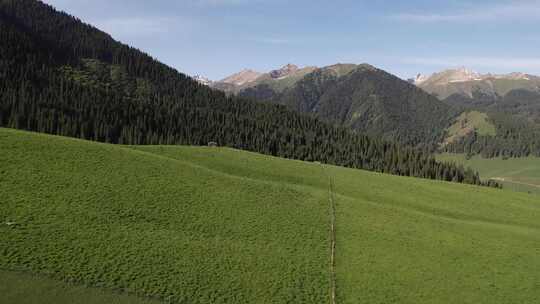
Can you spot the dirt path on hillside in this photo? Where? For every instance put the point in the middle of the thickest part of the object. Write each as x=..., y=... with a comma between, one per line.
x=332, y=236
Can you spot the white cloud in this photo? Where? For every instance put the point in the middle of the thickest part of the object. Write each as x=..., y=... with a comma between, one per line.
x=510, y=11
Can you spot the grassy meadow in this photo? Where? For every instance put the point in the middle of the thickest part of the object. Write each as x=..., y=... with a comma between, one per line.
x=218, y=225
x=136, y=222
x=517, y=174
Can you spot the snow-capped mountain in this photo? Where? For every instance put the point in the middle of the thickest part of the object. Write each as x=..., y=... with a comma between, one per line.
x=449, y=76
x=202, y=80
x=420, y=78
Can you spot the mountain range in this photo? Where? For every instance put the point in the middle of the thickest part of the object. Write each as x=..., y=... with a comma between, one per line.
x=510, y=104
x=358, y=96
x=468, y=83
x=425, y=112
x=277, y=79
x=110, y=84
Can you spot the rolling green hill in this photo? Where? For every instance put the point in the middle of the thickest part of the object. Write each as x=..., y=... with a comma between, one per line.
x=128, y=220
x=519, y=174
x=218, y=225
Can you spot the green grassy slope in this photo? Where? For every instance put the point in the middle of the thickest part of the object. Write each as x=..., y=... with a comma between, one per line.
x=468, y=122
x=518, y=174
x=225, y=226
x=406, y=240
x=411, y=241
x=132, y=221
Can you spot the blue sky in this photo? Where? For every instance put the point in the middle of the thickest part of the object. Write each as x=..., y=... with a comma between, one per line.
x=216, y=38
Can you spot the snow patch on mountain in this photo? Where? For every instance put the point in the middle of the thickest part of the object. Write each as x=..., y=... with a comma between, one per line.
x=202, y=80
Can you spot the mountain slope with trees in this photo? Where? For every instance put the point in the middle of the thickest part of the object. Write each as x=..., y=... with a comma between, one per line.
x=61, y=76
x=510, y=101
x=374, y=102
x=366, y=99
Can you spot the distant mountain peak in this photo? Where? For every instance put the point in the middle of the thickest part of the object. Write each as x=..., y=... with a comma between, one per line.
x=242, y=77
x=461, y=74
x=284, y=71
x=511, y=76
x=419, y=79
x=466, y=82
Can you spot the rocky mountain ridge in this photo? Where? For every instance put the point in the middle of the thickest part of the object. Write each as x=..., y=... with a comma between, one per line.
x=468, y=83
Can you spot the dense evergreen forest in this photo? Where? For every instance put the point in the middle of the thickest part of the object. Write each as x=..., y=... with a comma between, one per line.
x=61, y=76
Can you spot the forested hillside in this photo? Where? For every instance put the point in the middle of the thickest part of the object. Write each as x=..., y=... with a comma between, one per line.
x=61, y=76
x=516, y=118
x=374, y=102
x=511, y=101
x=366, y=99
